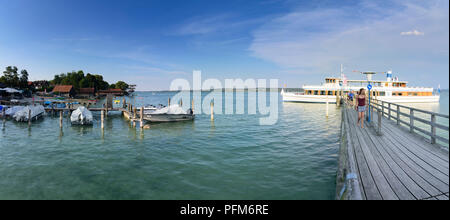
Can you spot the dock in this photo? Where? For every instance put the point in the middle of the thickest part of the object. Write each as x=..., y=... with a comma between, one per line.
x=392, y=158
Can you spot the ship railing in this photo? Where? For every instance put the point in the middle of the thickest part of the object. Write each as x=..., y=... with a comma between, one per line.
x=434, y=127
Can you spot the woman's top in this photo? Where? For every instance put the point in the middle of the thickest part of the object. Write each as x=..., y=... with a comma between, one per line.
x=362, y=101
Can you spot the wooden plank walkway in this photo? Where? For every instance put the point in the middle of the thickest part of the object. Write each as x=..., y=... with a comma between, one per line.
x=396, y=165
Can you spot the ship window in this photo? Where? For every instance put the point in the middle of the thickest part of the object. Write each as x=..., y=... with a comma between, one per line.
x=330, y=92
x=322, y=92
x=382, y=94
x=316, y=92
x=309, y=92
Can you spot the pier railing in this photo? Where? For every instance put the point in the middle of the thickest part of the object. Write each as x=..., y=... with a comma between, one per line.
x=393, y=111
x=409, y=117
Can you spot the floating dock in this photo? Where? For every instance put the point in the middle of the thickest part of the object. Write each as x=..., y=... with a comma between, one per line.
x=386, y=161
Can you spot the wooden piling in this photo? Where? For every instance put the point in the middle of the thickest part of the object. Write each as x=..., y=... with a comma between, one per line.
x=102, y=119
x=4, y=117
x=181, y=102
x=168, y=104
x=60, y=119
x=192, y=106
x=29, y=117
x=212, y=111
x=327, y=104
x=134, y=117
x=141, y=114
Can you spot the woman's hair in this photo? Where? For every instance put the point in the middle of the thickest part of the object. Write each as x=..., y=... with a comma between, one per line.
x=361, y=91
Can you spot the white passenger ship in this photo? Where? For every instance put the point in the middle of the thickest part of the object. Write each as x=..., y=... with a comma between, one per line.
x=389, y=90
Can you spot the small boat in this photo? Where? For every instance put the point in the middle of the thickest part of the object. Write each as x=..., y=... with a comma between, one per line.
x=29, y=113
x=81, y=116
x=169, y=114
x=13, y=110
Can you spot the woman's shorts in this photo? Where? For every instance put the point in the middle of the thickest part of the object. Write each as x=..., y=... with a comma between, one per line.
x=361, y=108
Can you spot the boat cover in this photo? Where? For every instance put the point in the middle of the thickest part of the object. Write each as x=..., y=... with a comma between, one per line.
x=81, y=116
x=22, y=115
x=173, y=110
x=13, y=110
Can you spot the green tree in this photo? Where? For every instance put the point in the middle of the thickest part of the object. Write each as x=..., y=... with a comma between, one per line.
x=122, y=85
x=23, y=79
x=11, y=77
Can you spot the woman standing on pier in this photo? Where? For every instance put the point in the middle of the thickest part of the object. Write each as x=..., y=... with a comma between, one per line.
x=361, y=97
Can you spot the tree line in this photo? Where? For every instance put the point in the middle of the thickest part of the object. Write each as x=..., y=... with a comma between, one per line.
x=11, y=78
x=78, y=80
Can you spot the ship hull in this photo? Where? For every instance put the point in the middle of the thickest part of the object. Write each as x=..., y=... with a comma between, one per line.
x=292, y=97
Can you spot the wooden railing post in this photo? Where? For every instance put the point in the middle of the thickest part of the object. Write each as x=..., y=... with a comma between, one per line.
x=398, y=115
x=389, y=110
x=379, y=123
x=382, y=108
x=433, y=129
x=411, y=120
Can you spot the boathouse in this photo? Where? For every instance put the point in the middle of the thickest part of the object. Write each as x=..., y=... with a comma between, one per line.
x=86, y=92
x=115, y=92
x=64, y=90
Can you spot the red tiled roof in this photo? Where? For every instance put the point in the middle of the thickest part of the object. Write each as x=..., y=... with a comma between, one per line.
x=62, y=89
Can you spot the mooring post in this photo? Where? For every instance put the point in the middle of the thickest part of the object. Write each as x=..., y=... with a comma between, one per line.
x=192, y=103
x=4, y=117
x=327, y=104
x=102, y=119
x=29, y=117
x=212, y=110
x=168, y=102
x=60, y=119
x=141, y=114
x=134, y=117
x=181, y=102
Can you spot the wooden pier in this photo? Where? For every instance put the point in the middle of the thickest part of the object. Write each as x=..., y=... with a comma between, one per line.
x=387, y=161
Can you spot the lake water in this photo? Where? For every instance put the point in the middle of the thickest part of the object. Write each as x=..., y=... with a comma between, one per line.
x=231, y=158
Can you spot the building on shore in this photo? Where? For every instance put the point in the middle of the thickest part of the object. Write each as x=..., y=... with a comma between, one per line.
x=64, y=90
x=86, y=93
x=115, y=92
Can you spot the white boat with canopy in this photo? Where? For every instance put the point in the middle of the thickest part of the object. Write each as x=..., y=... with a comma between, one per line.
x=169, y=114
x=81, y=116
x=29, y=113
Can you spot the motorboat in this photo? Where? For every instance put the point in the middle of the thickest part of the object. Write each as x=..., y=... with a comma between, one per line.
x=171, y=113
x=29, y=113
x=81, y=116
x=13, y=110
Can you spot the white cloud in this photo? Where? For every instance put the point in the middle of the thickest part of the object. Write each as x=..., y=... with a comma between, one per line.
x=414, y=32
x=365, y=36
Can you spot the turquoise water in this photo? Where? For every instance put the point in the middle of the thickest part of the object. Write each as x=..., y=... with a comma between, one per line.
x=231, y=158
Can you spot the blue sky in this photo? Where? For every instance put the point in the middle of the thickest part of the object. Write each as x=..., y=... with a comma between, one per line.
x=150, y=43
